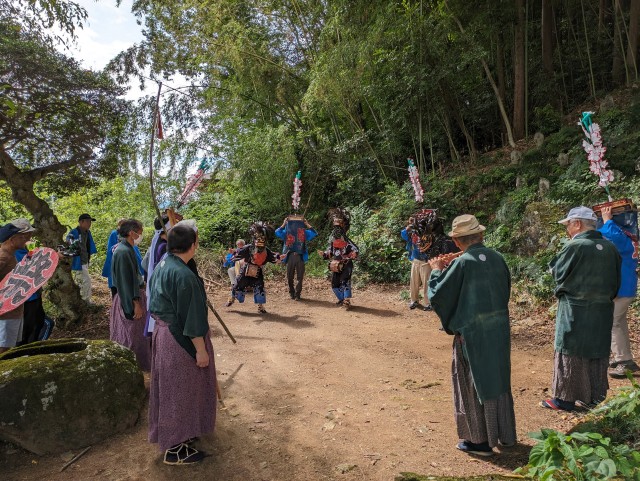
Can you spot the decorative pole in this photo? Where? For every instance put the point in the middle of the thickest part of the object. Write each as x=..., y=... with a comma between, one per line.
x=297, y=186
x=155, y=130
x=415, y=181
x=595, y=151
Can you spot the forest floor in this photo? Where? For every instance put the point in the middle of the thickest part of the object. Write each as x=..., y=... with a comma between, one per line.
x=314, y=392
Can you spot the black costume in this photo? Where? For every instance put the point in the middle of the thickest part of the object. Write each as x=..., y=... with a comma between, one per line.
x=255, y=256
x=341, y=252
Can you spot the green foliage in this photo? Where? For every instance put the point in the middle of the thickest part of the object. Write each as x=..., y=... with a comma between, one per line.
x=377, y=234
x=619, y=417
x=224, y=212
x=546, y=119
x=110, y=201
x=580, y=456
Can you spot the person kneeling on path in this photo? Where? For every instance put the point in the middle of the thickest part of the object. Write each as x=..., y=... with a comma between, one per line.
x=587, y=275
x=341, y=252
x=255, y=256
x=471, y=297
x=295, y=231
x=620, y=343
x=182, y=393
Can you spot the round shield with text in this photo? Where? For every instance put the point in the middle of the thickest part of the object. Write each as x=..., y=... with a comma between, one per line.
x=35, y=269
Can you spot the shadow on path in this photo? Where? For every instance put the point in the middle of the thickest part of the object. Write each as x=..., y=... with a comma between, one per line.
x=373, y=311
x=511, y=458
x=293, y=321
x=317, y=302
x=229, y=381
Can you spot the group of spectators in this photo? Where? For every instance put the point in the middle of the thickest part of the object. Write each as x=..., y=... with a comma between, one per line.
x=596, y=280
x=166, y=326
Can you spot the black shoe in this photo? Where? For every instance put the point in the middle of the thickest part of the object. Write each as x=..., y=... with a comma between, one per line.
x=292, y=296
x=481, y=449
x=414, y=304
x=339, y=303
x=427, y=308
x=297, y=298
x=182, y=454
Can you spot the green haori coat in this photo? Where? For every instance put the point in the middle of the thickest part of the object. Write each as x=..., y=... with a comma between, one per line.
x=587, y=274
x=178, y=298
x=471, y=297
x=126, y=276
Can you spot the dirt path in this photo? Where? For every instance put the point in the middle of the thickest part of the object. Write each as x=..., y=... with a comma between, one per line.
x=311, y=390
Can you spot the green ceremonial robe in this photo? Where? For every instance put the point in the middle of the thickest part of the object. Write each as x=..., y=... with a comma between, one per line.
x=587, y=274
x=126, y=276
x=471, y=297
x=178, y=298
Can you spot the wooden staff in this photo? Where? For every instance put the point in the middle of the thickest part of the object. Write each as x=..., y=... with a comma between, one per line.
x=215, y=313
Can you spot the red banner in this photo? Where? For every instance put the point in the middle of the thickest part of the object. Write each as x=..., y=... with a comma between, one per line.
x=27, y=277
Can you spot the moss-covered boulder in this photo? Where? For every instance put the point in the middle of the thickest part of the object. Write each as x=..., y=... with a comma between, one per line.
x=68, y=393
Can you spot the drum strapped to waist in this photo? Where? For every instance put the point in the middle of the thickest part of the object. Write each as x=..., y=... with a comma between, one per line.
x=336, y=266
x=252, y=270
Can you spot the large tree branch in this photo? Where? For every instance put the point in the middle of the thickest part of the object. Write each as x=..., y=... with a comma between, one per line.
x=75, y=159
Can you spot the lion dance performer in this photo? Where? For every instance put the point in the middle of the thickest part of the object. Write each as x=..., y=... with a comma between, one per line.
x=255, y=256
x=341, y=253
x=425, y=239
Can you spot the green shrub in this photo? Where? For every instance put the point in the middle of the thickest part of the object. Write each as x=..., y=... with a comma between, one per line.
x=588, y=456
x=619, y=417
x=546, y=119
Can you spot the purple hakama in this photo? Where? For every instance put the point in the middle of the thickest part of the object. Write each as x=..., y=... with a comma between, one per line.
x=182, y=396
x=130, y=332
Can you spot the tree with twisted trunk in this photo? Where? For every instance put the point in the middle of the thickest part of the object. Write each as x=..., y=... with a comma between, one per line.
x=60, y=128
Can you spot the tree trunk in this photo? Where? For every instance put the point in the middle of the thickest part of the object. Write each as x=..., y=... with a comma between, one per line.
x=61, y=289
x=617, y=67
x=547, y=38
x=503, y=112
x=500, y=74
x=454, y=107
x=547, y=32
x=632, y=47
x=519, y=73
x=602, y=16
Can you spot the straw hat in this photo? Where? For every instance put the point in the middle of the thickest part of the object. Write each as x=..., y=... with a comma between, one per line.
x=464, y=225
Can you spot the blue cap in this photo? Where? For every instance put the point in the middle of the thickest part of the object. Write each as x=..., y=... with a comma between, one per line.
x=7, y=231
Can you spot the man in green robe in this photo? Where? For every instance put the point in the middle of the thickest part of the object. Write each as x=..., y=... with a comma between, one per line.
x=471, y=297
x=182, y=392
x=587, y=275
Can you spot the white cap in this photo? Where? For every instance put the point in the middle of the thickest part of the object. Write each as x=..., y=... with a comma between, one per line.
x=190, y=223
x=579, y=213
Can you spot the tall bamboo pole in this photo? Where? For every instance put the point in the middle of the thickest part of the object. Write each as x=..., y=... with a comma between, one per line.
x=156, y=114
x=586, y=38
